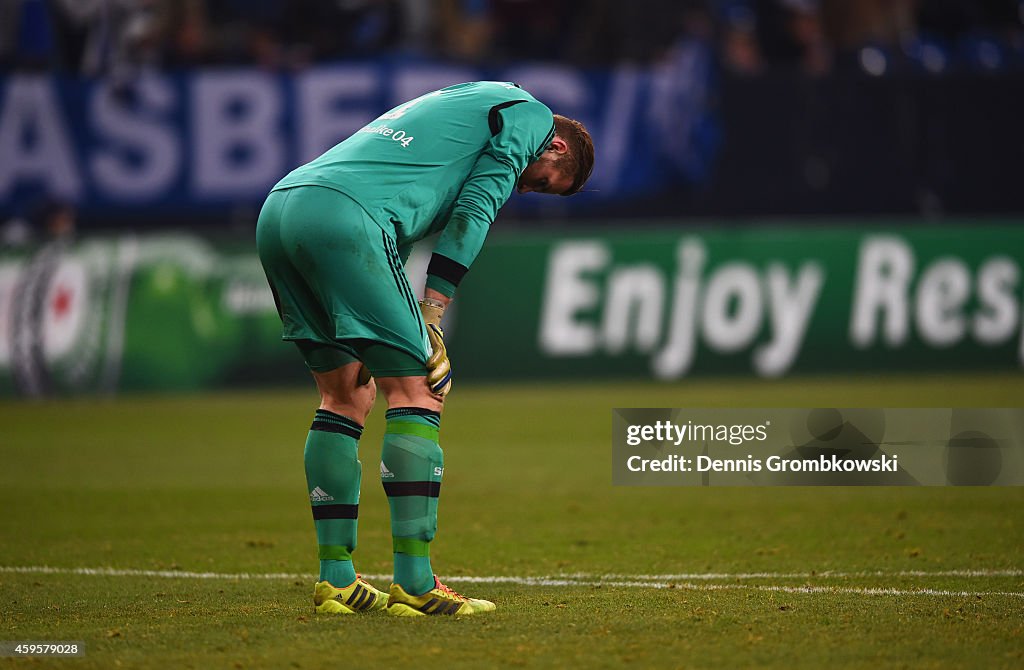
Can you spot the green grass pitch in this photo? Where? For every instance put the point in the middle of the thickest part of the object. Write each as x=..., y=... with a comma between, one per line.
x=213, y=484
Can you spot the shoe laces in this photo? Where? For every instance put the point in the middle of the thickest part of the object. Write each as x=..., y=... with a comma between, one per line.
x=448, y=590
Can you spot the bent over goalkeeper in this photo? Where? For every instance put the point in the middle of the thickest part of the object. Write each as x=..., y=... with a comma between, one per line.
x=333, y=237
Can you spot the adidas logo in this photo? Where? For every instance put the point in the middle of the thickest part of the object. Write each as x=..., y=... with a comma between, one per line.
x=384, y=472
x=319, y=495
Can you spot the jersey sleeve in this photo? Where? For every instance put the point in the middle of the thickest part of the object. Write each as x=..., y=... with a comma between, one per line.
x=520, y=132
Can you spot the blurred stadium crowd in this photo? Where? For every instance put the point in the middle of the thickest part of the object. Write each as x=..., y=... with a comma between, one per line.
x=818, y=36
x=720, y=108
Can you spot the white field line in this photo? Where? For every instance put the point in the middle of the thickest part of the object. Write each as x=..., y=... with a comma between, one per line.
x=823, y=574
x=685, y=581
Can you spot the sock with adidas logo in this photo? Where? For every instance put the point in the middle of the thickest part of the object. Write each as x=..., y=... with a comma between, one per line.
x=411, y=467
x=333, y=474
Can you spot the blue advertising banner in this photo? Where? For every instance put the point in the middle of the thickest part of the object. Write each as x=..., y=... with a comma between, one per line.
x=211, y=138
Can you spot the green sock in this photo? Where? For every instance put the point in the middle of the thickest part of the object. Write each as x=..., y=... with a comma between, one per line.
x=333, y=473
x=411, y=465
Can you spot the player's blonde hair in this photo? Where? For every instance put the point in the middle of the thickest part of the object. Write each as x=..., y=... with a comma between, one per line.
x=579, y=160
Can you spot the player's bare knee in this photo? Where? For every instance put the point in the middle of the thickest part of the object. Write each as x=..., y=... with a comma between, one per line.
x=410, y=392
x=341, y=393
x=356, y=407
x=424, y=400
x=359, y=401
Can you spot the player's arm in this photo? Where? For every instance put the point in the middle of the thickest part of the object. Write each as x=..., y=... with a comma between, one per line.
x=520, y=131
x=439, y=368
x=431, y=294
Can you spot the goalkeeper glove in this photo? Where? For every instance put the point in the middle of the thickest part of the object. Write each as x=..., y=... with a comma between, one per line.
x=439, y=369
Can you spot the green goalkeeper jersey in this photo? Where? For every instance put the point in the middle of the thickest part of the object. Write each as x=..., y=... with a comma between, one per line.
x=446, y=161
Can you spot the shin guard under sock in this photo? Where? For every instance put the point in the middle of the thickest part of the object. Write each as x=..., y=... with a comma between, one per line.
x=411, y=467
x=333, y=474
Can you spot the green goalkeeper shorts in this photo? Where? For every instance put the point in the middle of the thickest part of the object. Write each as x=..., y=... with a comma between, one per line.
x=339, y=284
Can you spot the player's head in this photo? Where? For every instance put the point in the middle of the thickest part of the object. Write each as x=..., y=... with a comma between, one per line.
x=565, y=166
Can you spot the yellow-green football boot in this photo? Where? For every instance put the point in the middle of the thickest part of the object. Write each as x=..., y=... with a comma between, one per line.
x=359, y=596
x=438, y=600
